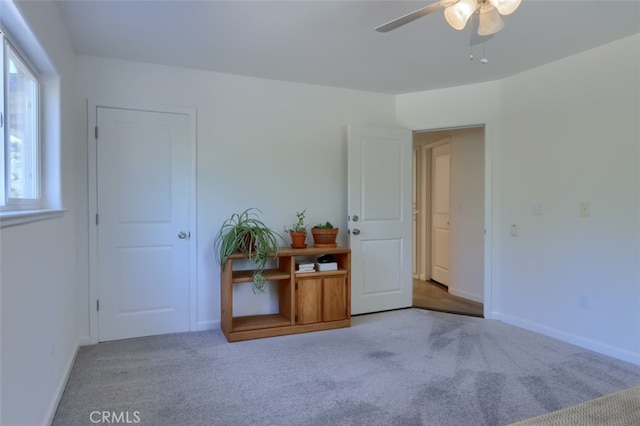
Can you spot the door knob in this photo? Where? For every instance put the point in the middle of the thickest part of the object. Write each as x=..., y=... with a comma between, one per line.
x=182, y=235
x=356, y=231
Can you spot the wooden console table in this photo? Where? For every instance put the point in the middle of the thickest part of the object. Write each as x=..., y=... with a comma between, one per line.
x=309, y=301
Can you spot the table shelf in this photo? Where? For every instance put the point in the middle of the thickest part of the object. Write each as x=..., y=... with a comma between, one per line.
x=300, y=310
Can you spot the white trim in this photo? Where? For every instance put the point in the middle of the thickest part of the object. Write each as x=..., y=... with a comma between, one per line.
x=17, y=48
x=92, y=106
x=440, y=142
x=465, y=295
x=489, y=283
x=592, y=345
x=57, y=396
x=208, y=325
x=92, y=162
x=193, y=222
x=20, y=217
x=84, y=341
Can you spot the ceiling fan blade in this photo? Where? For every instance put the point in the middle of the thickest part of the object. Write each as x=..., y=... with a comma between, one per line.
x=476, y=38
x=412, y=16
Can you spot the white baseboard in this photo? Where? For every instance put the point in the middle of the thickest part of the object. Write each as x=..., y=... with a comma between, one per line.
x=589, y=344
x=53, y=406
x=466, y=295
x=208, y=325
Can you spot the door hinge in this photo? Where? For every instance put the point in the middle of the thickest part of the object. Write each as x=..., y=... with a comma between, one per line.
x=97, y=219
x=1, y=119
x=96, y=131
x=97, y=304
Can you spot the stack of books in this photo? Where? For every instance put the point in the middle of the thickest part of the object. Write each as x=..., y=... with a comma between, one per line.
x=305, y=267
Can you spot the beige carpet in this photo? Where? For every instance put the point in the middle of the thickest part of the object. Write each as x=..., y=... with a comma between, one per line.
x=618, y=409
x=405, y=368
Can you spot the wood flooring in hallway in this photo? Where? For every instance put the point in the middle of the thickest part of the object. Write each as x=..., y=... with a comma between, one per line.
x=435, y=297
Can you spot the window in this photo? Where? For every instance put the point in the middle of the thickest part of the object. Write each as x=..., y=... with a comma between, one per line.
x=20, y=125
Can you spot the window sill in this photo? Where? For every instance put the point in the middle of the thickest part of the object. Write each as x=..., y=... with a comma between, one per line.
x=28, y=216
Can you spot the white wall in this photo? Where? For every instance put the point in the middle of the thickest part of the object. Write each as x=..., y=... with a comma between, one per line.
x=466, y=271
x=570, y=135
x=268, y=144
x=559, y=135
x=39, y=276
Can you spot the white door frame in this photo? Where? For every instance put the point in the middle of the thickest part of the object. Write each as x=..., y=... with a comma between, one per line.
x=92, y=106
x=490, y=134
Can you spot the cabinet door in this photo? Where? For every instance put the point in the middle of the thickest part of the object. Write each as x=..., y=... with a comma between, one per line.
x=334, y=299
x=308, y=303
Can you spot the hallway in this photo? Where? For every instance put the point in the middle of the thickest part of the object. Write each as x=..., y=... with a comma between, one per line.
x=435, y=297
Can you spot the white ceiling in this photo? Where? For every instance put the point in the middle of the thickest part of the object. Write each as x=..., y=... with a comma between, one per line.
x=334, y=43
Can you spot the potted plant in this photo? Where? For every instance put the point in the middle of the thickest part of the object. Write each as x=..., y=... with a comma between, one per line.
x=246, y=233
x=324, y=235
x=298, y=231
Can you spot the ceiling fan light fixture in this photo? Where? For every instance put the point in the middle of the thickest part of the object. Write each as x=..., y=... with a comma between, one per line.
x=489, y=21
x=506, y=7
x=458, y=14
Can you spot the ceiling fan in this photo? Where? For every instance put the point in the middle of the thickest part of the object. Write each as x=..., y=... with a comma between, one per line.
x=483, y=14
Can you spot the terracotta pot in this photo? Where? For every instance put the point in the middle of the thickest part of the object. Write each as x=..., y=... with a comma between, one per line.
x=324, y=237
x=298, y=239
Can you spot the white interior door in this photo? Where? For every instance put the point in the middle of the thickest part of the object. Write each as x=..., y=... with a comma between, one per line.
x=415, y=230
x=440, y=214
x=143, y=185
x=380, y=212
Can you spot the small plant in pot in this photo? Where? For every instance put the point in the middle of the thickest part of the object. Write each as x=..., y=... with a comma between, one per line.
x=298, y=231
x=324, y=235
x=246, y=233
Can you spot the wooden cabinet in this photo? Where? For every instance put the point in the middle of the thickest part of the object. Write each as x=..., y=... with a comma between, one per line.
x=321, y=299
x=309, y=301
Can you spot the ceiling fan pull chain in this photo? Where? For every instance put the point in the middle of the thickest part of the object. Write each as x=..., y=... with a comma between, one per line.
x=484, y=59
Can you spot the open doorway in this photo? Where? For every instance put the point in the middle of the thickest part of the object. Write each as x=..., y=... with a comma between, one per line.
x=448, y=220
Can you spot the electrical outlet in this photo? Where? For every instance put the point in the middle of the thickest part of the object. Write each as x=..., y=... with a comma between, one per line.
x=514, y=230
x=583, y=302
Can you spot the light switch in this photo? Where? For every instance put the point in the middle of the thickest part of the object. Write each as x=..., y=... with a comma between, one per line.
x=584, y=210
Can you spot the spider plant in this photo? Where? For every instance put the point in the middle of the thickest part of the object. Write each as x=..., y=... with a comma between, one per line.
x=246, y=232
